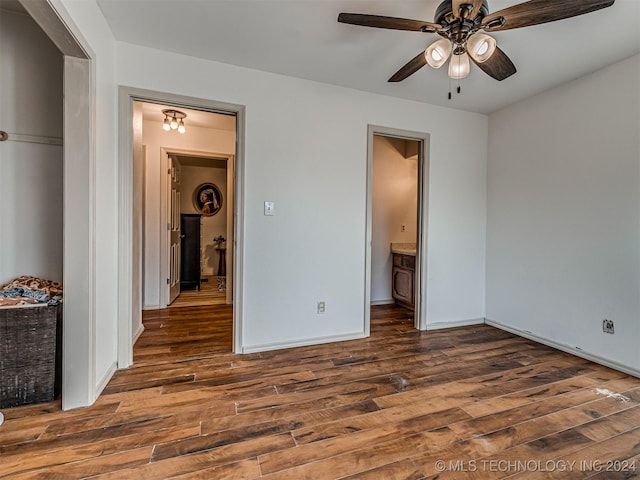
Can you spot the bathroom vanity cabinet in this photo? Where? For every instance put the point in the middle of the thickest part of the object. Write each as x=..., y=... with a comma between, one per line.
x=403, y=279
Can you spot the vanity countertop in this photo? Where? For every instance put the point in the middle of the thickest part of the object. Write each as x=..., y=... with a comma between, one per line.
x=404, y=248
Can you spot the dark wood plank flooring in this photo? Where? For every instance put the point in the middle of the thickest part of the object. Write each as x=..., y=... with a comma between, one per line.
x=464, y=403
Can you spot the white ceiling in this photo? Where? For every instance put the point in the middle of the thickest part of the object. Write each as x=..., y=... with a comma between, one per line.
x=301, y=38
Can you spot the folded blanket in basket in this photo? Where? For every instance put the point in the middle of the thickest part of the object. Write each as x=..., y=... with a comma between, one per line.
x=26, y=289
x=38, y=296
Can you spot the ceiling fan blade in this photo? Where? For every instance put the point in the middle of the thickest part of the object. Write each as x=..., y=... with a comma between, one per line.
x=412, y=66
x=498, y=66
x=474, y=6
x=535, y=12
x=392, y=23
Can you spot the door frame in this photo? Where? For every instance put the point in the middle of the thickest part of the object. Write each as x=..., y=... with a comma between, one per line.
x=421, y=311
x=79, y=387
x=130, y=213
x=164, y=244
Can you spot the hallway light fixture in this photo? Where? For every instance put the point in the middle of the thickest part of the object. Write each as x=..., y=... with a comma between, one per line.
x=174, y=120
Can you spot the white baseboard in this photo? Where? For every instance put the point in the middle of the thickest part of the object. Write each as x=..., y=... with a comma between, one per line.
x=389, y=301
x=302, y=343
x=152, y=307
x=138, y=333
x=456, y=323
x=105, y=378
x=578, y=352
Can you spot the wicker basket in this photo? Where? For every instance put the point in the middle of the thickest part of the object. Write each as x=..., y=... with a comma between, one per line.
x=29, y=354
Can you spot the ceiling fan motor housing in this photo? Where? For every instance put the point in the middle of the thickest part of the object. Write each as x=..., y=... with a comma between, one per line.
x=445, y=10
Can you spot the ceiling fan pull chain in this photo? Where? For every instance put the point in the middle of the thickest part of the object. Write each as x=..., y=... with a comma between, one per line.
x=449, y=88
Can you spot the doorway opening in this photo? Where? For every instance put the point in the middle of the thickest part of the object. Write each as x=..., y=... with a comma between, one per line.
x=188, y=211
x=187, y=243
x=164, y=172
x=200, y=238
x=397, y=223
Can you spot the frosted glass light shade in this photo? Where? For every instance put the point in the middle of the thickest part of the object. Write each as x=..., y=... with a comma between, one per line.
x=174, y=123
x=181, y=128
x=165, y=124
x=438, y=52
x=459, y=66
x=481, y=47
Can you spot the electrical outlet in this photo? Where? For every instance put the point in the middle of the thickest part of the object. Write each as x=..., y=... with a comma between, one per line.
x=321, y=307
x=607, y=326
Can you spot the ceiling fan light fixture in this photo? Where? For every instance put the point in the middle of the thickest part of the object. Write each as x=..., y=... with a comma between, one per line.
x=459, y=66
x=460, y=20
x=438, y=52
x=481, y=46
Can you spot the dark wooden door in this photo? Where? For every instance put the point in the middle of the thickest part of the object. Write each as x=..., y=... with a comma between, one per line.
x=190, y=251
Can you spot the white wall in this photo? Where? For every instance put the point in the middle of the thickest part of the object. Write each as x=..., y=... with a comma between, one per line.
x=210, y=227
x=31, y=72
x=306, y=151
x=394, y=204
x=563, y=248
x=154, y=137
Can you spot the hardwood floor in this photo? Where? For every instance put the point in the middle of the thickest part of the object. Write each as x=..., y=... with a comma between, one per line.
x=178, y=334
x=465, y=403
x=207, y=295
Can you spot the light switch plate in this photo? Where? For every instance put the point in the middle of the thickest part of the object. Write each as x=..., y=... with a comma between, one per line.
x=269, y=208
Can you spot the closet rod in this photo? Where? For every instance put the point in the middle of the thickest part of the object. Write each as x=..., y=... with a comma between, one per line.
x=19, y=137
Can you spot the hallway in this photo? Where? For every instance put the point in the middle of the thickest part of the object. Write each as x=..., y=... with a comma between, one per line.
x=207, y=295
x=179, y=334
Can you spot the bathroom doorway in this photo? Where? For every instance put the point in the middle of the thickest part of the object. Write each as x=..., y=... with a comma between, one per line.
x=397, y=221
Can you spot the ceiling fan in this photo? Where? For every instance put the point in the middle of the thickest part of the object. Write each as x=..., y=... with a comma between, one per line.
x=460, y=22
